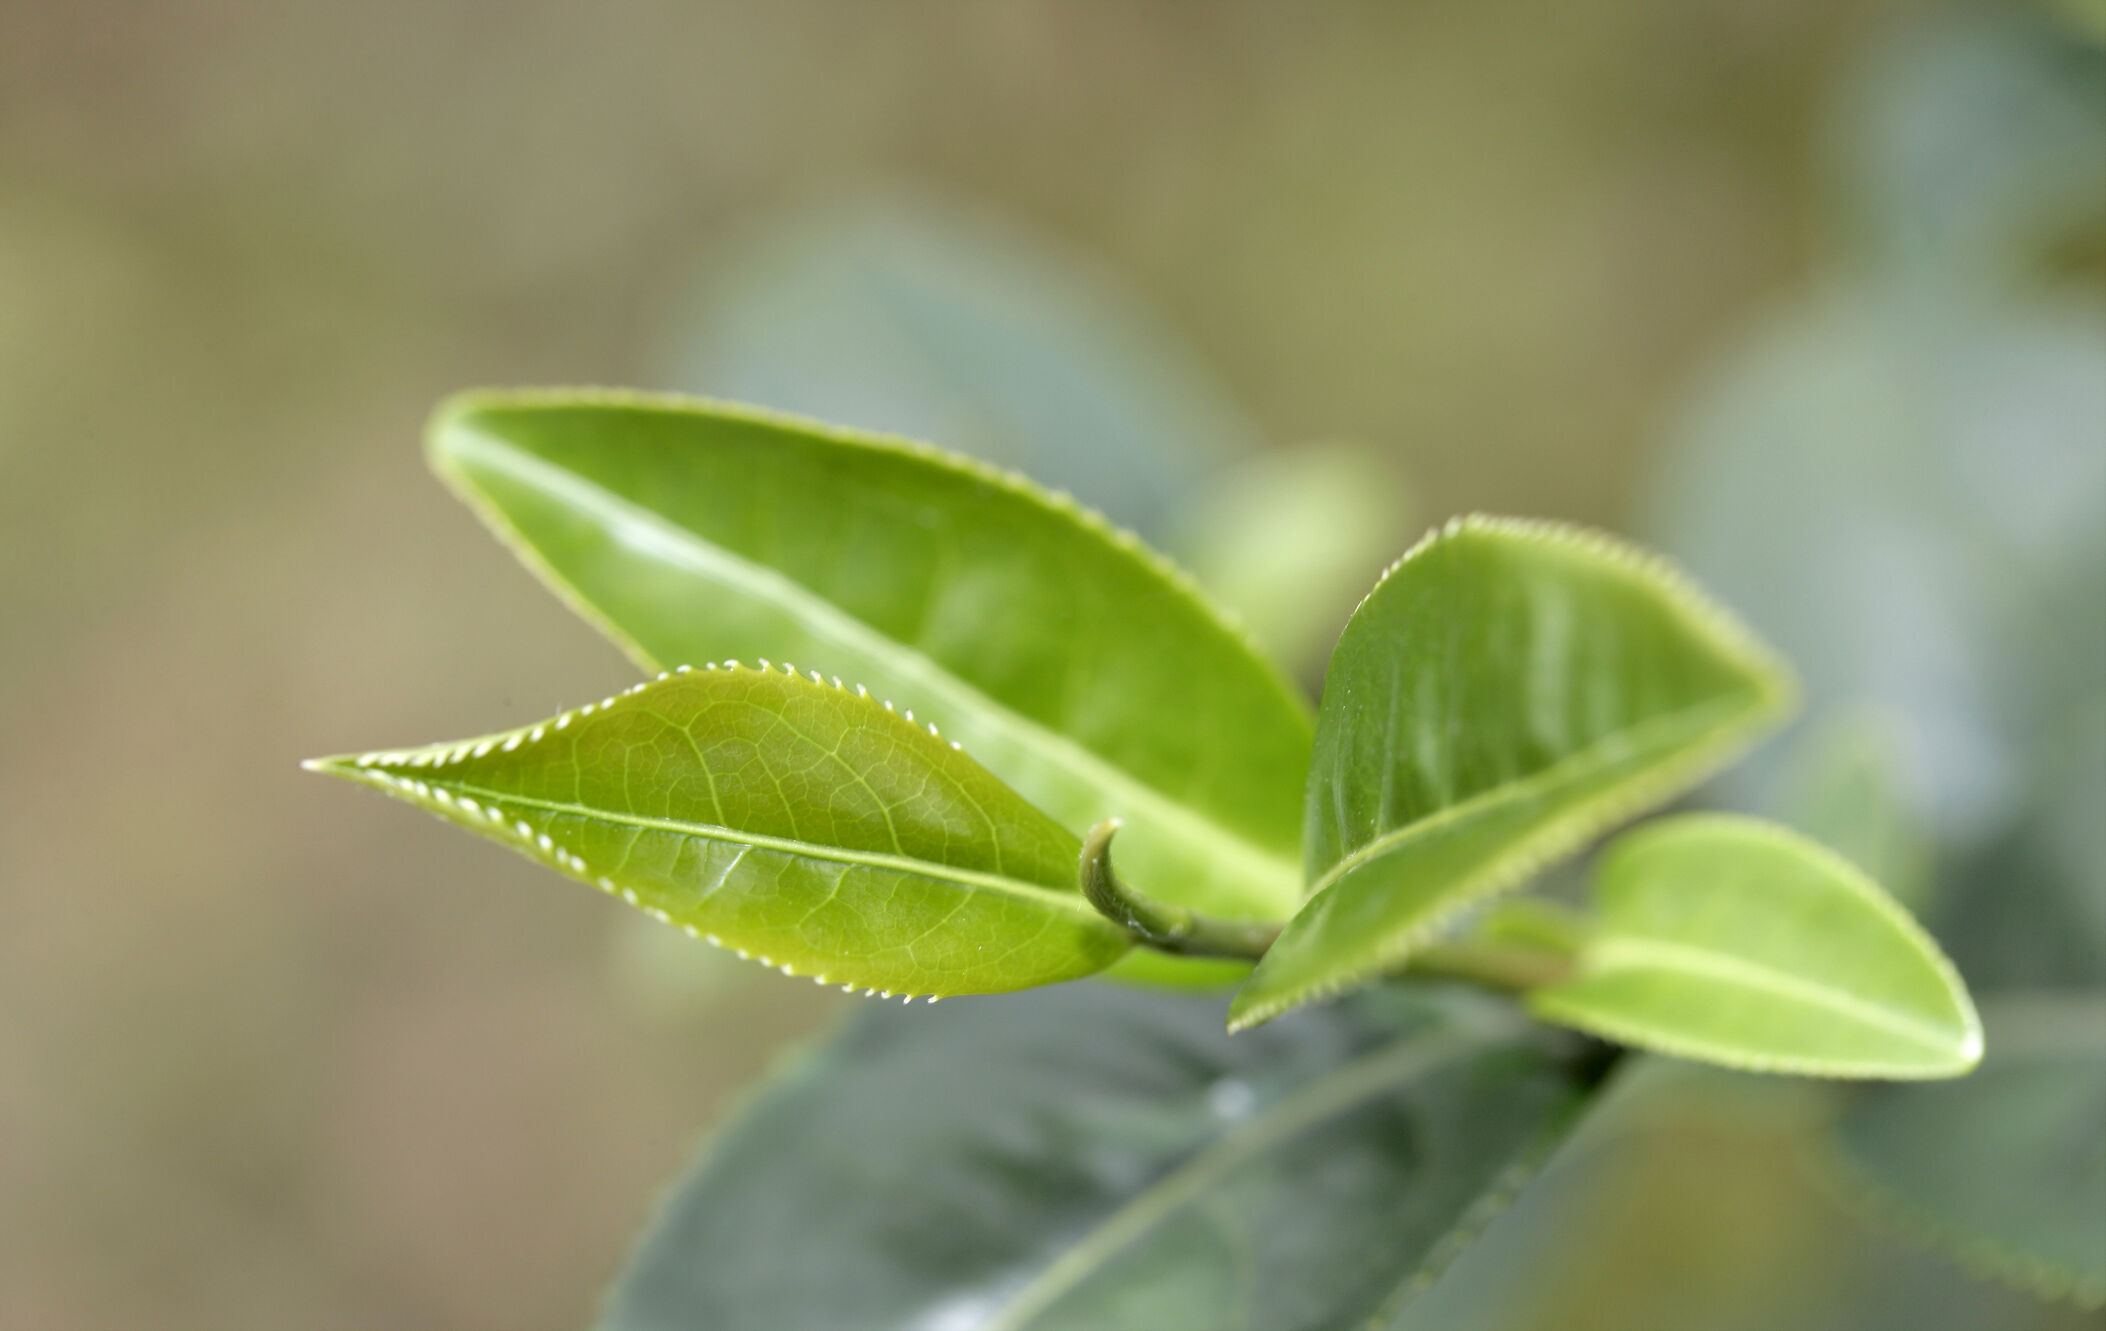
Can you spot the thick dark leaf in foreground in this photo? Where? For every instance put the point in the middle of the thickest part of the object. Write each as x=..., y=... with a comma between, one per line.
x=1096, y=1159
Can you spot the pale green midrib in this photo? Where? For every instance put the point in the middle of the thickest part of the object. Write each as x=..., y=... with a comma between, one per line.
x=1276, y=873
x=1398, y=1062
x=1661, y=774
x=1697, y=719
x=1038, y=894
x=1611, y=953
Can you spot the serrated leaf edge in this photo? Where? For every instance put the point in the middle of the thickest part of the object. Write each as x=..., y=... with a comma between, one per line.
x=1777, y=693
x=1544, y=1002
x=1554, y=841
x=1162, y=806
x=1725, y=628
x=1003, y=478
x=386, y=770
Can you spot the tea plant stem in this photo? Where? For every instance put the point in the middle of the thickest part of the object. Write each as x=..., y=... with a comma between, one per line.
x=1159, y=924
x=1505, y=966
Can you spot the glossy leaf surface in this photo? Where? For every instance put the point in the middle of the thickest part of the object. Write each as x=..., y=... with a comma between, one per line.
x=1077, y=666
x=1506, y=693
x=1100, y=1159
x=797, y=821
x=2004, y=1169
x=1734, y=941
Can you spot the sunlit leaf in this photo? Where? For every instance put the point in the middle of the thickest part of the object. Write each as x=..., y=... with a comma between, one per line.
x=1738, y=942
x=794, y=820
x=1506, y=693
x=2005, y=1170
x=1101, y=1159
x=1077, y=666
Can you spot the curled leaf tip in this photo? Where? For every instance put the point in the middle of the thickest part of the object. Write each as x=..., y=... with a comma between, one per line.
x=1155, y=924
x=1178, y=930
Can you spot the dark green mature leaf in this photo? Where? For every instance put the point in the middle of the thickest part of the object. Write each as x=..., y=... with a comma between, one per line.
x=1098, y=1159
x=801, y=822
x=1738, y=942
x=1079, y=667
x=1507, y=692
x=2007, y=1169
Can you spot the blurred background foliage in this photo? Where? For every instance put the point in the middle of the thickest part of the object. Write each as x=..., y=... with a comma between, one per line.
x=1809, y=293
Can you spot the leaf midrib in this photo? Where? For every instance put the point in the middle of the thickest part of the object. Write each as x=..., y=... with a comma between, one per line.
x=1639, y=738
x=1363, y=1077
x=1611, y=953
x=823, y=619
x=1039, y=894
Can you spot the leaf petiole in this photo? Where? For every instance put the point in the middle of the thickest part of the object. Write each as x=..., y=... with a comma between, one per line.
x=1504, y=964
x=1509, y=967
x=1178, y=930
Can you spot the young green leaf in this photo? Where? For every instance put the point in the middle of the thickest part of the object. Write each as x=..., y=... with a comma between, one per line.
x=796, y=821
x=1507, y=692
x=2004, y=1169
x=1079, y=667
x=1103, y=1158
x=1738, y=942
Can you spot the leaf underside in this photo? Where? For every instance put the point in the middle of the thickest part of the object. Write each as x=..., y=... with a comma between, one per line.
x=1735, y=941
x=1508, y=692
x=1076, y=665
x=793, y=820
x=1105, y=1158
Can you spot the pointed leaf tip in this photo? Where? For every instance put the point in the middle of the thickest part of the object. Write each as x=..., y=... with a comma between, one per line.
x=1735, y=941
x=800, y=824
x=690, y=530
x=1507, y=692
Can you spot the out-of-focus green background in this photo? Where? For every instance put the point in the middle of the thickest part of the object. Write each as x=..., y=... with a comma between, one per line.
x=274, y=1055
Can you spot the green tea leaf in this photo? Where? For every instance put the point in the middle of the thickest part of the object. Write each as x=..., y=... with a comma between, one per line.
x=1094, y=1158
x=1507, y=692
x=800, y=822
x=1738, y=942
x=1080, y=668
x=2005, y=1170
